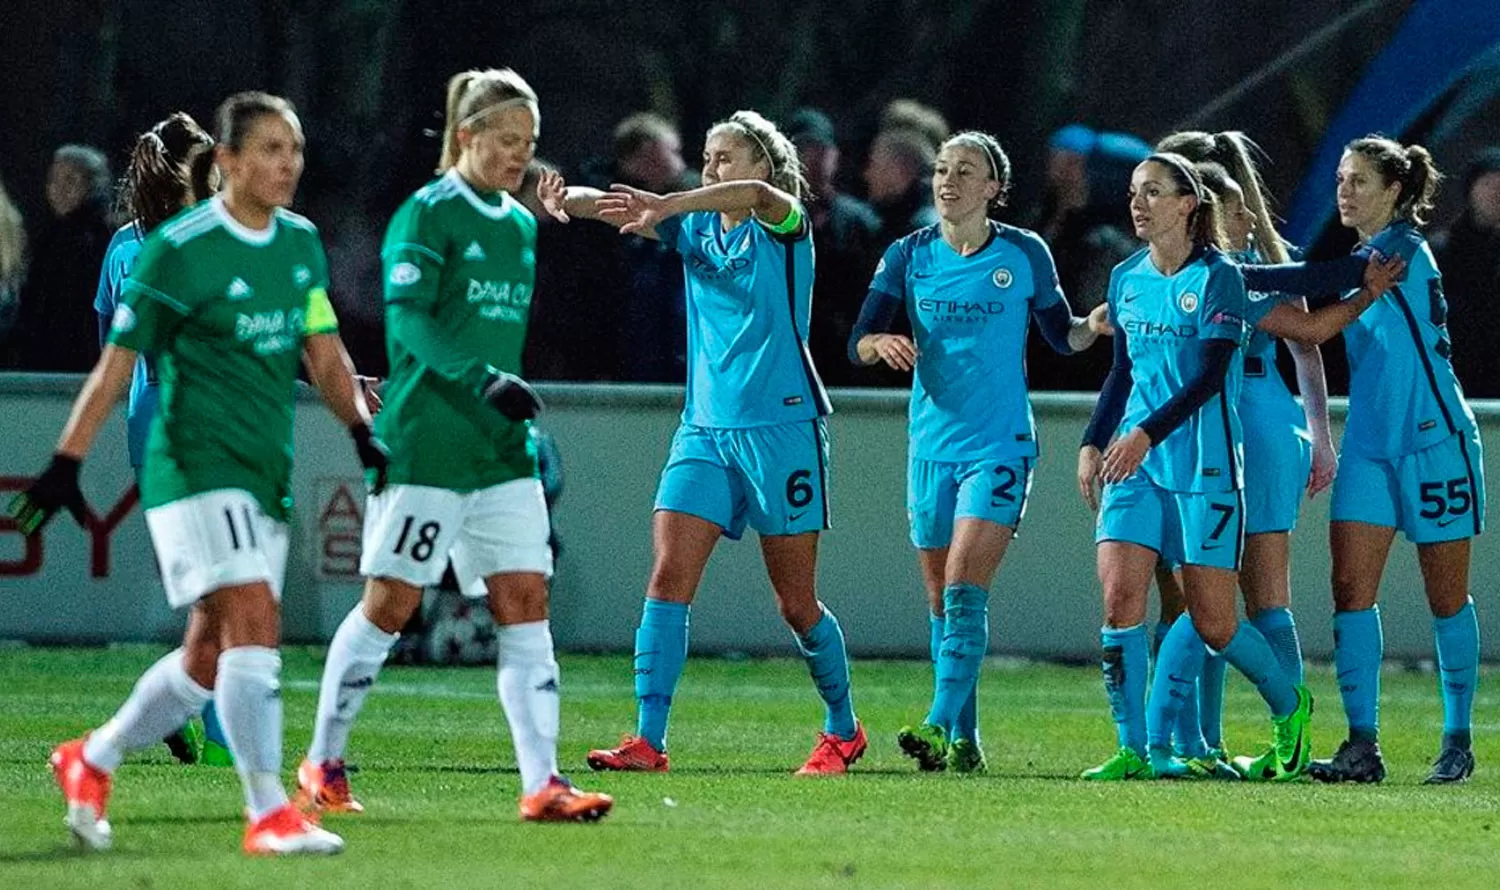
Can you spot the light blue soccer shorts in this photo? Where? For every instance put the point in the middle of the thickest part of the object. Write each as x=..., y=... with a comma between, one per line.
x=940, y=492
x=1278, y=462
x=772, y=478
x=1185, y=528
x=1431, y=496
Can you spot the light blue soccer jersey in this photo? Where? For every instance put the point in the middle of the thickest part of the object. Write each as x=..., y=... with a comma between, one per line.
x=1403, y=394
x=749, y=303
x=969, y=318
x=1166, y=320
x=144, y=392
x=1267, y=407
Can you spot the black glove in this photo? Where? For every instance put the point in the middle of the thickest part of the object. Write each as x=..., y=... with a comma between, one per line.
x=511, y=396
x=55, y=489
x=373, y=455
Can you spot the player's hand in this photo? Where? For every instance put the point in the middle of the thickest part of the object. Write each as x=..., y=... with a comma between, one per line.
x=1125, y=455
x=633, y=210
x=895, y=350
x=1089, y=461
x=1099, y=321
x=369, y=389
x=373, y=455
x=56, y=489
x=1382, y=272
x=511, y=396
x=552, y=194
x=1325, y=465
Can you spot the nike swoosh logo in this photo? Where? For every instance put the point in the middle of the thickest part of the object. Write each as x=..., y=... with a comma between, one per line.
x=1444, y=523
x=796, y=516
x=1176, y=679
x=1212, y=547
x=1256, y=296
x=921, y=275
x=1129, y=298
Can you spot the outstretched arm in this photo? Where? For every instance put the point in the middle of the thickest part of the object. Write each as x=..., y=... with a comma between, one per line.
x=635, y=210
x=1292, y=321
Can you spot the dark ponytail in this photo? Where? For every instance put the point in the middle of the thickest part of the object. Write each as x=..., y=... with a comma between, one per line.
x=1409, y=165
x=161, y=178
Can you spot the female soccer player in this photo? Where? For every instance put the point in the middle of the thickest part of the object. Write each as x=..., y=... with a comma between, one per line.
x=1412, y=457
x=970, y=286
x=753, y=445
x=158, y=184
x=1173, y=475
x=1277, y=470
x=224, y=296
x=1288, y=449
x=460, y=265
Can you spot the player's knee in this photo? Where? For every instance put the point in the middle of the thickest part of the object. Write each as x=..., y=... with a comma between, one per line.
x=389, y=604
x=1351, y=591
x=670, y=584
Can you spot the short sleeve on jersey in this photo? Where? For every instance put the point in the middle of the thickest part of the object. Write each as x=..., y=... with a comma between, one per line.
x=150, y=309
x=1047, y=288
x=1224, y=304
x=320, y=316
x=1398, y=240
x=890, y=274
x=412, y=257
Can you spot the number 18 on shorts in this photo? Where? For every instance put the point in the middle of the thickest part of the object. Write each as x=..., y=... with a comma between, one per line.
x=412, y=531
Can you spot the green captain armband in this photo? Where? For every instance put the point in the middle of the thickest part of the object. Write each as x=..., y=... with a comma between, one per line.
x=789, y=225
x=320, y=317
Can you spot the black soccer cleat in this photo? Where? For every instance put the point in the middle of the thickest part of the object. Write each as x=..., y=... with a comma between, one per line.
x=1356, y=761
x=1452, y=766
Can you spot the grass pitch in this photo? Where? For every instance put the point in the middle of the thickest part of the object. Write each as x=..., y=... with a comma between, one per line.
x=438, y=779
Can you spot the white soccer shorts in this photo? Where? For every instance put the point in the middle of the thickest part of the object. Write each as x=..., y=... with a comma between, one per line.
x=412, y=530
x=216, y=539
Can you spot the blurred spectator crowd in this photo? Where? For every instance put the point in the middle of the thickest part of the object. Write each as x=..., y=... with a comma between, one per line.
x=610, y=308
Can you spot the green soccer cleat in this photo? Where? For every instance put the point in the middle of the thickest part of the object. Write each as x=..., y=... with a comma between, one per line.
x=1212, y=767
x=965, y=756
x=926, y=744
x=186, y=744
x=1125, y=765
x=215, y=754
x=1291, y=747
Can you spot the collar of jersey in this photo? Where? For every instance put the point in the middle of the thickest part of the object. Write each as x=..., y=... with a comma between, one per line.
x=253, y=237
x=493, y=211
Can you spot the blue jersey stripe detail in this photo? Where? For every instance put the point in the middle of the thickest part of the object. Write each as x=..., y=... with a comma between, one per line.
x=1416, y=337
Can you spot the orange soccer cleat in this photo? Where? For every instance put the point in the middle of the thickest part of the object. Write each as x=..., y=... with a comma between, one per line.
x=831, y=756
x=324, y=787
x=634, y=754
x=86, y=790
x=286, y=832
x=559, y=801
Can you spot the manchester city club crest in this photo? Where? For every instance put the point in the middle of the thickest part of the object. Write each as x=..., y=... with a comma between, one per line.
x=1188, y=302
x=1002, y=277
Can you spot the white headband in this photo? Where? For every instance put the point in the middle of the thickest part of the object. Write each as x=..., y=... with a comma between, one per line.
x=486, y=111
x=979, y=143
x=765, y=153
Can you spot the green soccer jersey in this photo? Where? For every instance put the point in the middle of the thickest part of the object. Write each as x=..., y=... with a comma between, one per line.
x=224, y=310
x=459, y=269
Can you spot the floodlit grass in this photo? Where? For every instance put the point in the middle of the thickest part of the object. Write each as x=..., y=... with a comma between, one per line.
x=437, y=777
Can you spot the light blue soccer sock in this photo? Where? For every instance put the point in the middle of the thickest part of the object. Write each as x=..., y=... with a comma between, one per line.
x=1159, y=636
x=1211, y=701
x=1252, y=656
x=1124, y=667
x=966, y=639
x=1358, y=647
x=1280, y=631
x=1458, y=671
x=213, y=731
x=1174, y=684
x=661, y=644
x=967, y=726
x=823, y=648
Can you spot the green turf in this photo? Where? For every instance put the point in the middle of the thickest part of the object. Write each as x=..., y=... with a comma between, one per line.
x=438, y=779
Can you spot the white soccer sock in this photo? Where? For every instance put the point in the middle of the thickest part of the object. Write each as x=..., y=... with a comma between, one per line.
x=164, y=698
x=358, y=650
x=248, y=698
x=528, y=696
